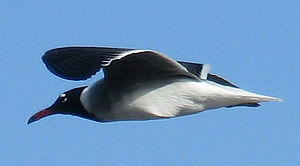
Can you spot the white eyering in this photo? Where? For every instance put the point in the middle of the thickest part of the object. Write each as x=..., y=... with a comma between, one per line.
x=63, y=97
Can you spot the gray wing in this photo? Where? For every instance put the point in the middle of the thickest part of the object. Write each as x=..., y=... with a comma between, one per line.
x=141, y=66
x=79, y=63
x=121, y=66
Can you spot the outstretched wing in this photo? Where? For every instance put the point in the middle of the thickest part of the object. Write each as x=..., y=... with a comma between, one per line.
x=79, y=63
x=120, y=65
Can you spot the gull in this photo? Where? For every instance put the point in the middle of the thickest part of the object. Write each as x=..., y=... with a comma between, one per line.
x=138, y=85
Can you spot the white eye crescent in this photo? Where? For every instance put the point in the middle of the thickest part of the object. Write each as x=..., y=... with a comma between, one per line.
x=63, y=98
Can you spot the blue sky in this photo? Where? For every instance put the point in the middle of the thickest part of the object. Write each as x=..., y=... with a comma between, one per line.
x=255, y=44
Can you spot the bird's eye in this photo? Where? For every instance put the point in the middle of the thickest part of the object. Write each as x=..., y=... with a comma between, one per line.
x=63, y=98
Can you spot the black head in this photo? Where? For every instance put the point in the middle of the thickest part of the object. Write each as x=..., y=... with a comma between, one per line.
x=67, y=103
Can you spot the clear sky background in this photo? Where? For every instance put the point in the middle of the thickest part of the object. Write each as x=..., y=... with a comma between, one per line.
x=255, y=44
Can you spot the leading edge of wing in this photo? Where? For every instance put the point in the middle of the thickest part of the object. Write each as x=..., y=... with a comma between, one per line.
x=79, y=63
x=138, y=67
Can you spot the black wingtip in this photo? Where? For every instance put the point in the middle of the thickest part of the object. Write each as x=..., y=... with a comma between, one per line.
x=74, y=63
x=245, y=105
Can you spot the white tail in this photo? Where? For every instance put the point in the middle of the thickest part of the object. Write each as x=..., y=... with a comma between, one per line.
x=224, y=96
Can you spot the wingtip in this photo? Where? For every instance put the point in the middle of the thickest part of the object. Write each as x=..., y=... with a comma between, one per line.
x=270, y=99
x=278, y=99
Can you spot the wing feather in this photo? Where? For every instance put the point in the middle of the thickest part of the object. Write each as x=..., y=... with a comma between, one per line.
x=119, y=64
x=79, y=63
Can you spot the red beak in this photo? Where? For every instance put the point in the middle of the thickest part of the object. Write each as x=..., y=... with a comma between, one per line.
x=40, y=115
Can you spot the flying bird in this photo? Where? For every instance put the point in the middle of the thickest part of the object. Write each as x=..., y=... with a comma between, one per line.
x=138, y=85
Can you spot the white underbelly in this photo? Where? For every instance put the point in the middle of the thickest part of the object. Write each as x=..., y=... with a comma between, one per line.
x=183, y=98
x=177, y=99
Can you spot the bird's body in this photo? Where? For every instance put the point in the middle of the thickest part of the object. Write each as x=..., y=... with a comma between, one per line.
x=139, y=85
x=180, y=97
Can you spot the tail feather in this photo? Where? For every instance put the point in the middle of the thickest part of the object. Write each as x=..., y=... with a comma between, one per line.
x=253, y=100
x=242, y=97
x=262, y=98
